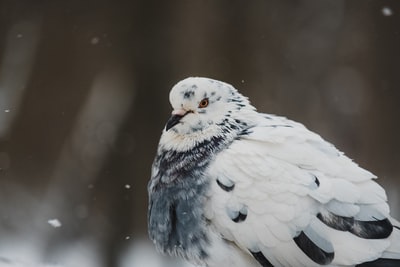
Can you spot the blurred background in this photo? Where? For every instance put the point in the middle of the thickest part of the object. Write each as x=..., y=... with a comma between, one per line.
x=84, y=96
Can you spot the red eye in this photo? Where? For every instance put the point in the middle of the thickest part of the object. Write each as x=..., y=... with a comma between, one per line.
x=203, y=103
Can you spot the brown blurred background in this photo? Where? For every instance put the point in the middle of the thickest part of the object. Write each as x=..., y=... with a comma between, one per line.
x=84, y=96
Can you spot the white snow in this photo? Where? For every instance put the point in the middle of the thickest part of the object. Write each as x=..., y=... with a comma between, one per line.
x=55, y=223
x=95, y=40
x=143, y=253
x=387, y=11
x=5, y=262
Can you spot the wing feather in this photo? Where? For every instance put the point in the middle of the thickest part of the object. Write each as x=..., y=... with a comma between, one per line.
x=284, y=177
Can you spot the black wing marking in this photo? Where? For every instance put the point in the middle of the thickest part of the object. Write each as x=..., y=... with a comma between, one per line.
x=225, y=187
x=377, y=229
x=314, y=252
x=261, y=259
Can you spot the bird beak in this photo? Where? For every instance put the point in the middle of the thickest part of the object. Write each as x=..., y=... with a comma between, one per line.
x=175, y=118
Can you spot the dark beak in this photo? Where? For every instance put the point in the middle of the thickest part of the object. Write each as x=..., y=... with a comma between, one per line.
x=174, y=120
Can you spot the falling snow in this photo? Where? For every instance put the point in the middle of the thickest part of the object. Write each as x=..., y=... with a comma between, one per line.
x=387, y=11
x=55, y=223
x=95, y=40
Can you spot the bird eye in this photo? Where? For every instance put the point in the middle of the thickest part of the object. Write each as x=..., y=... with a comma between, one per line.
x=203, y=103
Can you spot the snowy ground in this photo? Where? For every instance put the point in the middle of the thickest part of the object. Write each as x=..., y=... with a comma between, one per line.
x=140, y=254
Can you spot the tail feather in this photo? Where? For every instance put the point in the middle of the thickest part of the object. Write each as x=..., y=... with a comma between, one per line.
x=391, y=256
x=381, y=263
x=393, y=252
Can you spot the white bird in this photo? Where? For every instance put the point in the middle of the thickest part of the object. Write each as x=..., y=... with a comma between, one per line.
x=234, y=187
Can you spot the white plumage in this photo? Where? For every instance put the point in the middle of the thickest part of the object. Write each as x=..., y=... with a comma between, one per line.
x=272, y=192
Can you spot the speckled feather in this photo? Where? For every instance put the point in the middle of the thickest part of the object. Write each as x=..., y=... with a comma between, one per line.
x=233, y=186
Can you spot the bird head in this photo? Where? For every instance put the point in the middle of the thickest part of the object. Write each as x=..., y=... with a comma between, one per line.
x=203, y=107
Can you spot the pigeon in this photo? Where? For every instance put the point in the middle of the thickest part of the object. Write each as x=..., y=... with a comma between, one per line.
x=232, y=186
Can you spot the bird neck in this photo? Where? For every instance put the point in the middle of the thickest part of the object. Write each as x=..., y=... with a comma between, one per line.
x=177, y=193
